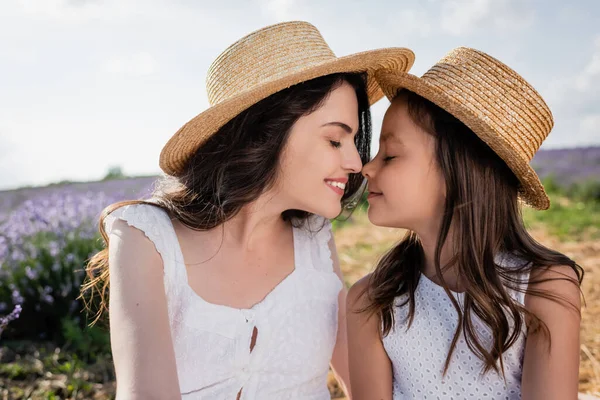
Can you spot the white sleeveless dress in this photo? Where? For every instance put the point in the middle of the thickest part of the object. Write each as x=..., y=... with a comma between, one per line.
x=418, y=355
x=296, y=322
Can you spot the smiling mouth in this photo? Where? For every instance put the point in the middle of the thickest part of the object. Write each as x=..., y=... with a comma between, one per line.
x=337, y=187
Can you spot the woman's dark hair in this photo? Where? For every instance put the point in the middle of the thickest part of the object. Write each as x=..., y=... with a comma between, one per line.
x=483, y=207
x=237, y=164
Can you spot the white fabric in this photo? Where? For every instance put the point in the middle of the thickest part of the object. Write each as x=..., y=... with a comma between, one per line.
x=296, y=322
x=418, y=355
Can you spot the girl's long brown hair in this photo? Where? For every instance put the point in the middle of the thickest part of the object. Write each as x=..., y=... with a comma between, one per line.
x=235, y=166
x=483, y=207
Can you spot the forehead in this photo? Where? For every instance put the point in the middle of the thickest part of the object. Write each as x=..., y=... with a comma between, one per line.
x=340, y=105
x=397, y=112
x=341, y=99
x=398, y=126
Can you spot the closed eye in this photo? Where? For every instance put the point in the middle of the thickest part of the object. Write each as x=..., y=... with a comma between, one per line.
x=335, y=144
x=386, y=159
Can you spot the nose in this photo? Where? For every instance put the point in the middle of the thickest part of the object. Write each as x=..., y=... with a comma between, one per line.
x=368, y=170
x=352, y=161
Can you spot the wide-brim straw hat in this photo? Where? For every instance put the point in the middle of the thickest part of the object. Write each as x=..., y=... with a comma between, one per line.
x=266, y=62
x=495, y=102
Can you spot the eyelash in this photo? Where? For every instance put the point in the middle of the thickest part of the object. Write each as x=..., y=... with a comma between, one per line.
x=335, y=144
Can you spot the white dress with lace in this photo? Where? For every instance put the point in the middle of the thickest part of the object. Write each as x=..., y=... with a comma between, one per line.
x=296, y=323
x=418, y=354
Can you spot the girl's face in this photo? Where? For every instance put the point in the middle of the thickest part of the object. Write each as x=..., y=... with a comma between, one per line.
x=320, y=154
x=406, y=187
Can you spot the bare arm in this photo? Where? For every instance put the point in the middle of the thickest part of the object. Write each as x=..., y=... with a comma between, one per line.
x=370, y=367
x=339, y=361
x=139, y=327
x=552, y=372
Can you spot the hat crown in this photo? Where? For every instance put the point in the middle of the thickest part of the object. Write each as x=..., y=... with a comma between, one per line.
x=497, y=95
x=264, y=56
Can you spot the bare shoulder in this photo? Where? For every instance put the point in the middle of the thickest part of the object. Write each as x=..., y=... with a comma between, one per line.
x=558, y=281
x=130, y=246
x=357, y=295
x=130, y=239
x=555, y=278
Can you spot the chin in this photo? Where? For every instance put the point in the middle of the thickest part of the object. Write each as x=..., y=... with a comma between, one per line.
x=373, y=217
x=384, y=219
x=330, y=212
x=378, y=218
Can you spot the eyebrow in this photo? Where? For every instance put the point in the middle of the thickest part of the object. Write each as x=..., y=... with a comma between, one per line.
x=388, y=136
x=340, y=124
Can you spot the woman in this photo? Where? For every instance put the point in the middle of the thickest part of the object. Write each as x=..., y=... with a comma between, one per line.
x=226, y=284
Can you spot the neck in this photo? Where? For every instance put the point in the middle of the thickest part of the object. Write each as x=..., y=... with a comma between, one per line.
x=257, y=222
x=429, y=238
x=252, y=226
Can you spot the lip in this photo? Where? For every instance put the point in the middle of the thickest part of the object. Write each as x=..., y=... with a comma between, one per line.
x=373, y=195
x=337, y=190
x=340, y=180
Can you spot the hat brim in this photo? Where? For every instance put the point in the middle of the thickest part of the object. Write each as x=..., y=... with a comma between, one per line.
x=190, y=136
x=531, y=190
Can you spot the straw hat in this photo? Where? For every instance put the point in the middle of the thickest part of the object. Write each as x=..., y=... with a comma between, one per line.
x=496, y=103
x=263, y=63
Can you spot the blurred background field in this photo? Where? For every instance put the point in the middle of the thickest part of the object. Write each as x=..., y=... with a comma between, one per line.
x=47, y=233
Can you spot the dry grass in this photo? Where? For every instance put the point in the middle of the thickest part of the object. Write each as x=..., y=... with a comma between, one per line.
x=360, y=244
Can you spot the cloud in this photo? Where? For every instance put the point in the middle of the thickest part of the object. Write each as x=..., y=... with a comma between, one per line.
x=15, y=165
x=414, y=21
x=62, y=10
x=589, y=128
x=81, y=12
x=462, y=17
x=581, y=90
x=587, y=80
x=138, y=64
x=574, y=101
x=279, y=9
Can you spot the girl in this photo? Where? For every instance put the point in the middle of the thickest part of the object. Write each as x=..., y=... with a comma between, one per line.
x=225, y=285
x=468, y=305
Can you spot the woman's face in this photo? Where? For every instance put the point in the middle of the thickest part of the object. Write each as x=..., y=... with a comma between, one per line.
x=320, y=154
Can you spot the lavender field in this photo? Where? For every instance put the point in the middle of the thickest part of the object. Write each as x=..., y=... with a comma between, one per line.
x=569, y=165
x=47, y=234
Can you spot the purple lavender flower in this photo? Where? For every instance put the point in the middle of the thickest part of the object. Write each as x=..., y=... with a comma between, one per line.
x=16, y=297
x=31, y=274
x=4, y=321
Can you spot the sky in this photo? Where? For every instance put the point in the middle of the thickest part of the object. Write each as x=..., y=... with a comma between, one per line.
x=86, y=85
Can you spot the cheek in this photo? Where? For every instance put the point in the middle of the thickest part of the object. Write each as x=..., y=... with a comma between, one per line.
x=415, y=188
x=308, y=151
x=295, y=158
x=302, y=172
x=433, y=191
x=404, y=182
